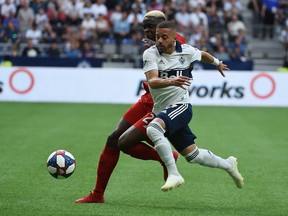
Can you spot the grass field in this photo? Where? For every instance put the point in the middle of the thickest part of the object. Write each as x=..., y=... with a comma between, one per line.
x=29, y=132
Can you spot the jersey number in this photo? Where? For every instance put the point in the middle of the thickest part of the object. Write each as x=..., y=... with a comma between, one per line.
x=148, y=119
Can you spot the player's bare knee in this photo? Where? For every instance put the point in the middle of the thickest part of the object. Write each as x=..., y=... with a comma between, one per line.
x=122, y=143
x=112, y=140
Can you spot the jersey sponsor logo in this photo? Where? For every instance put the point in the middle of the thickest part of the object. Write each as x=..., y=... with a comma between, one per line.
x=174, y=73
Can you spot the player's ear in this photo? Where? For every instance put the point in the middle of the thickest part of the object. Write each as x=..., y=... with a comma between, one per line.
x=174, y=35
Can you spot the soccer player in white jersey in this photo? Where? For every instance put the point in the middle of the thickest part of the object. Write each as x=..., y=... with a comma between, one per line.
x=166, y=66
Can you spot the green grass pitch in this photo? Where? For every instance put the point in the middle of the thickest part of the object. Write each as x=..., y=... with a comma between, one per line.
x=29, y=132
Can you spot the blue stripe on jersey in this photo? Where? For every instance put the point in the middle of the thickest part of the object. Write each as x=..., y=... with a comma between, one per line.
x=178, y=46
x=175, y=73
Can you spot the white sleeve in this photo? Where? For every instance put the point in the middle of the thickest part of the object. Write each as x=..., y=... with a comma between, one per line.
x=149, y=60
x=195, y=54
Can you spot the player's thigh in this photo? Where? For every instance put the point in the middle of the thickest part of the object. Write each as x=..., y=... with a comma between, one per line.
x=131, y=117
x=120, y=128
x=136, y=133
x=183, y=139
x=176, y=117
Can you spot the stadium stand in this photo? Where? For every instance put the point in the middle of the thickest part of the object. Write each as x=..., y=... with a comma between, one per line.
x=209, y=26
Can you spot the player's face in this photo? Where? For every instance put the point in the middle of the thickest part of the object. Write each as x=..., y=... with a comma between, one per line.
x=165, y=40
x=149, y=30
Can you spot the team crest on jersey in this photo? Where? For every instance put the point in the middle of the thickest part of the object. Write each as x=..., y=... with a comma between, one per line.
x=181, y=59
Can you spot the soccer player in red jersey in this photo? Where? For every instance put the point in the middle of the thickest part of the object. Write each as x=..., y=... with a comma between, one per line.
x=131, y=128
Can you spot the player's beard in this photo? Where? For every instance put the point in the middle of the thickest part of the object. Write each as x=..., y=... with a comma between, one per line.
x=169, y=46
x=163, y=49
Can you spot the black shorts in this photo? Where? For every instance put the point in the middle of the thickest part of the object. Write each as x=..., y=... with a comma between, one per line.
x=177, y=118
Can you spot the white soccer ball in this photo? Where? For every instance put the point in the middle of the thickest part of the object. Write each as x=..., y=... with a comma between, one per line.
x=61, y=164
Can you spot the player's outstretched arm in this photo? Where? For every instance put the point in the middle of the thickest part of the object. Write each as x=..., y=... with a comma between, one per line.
x=208, y=58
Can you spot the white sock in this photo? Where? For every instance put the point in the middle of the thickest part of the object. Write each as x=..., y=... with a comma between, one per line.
x=156, y=133
x=207, y=158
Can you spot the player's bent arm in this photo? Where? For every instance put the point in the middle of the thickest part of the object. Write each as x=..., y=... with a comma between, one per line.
x=155, y=82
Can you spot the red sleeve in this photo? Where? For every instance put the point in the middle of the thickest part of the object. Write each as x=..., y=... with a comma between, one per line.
x=180, y=39
x=145, y=85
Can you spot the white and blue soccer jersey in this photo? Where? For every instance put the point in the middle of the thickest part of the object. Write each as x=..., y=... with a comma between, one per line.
x=169, y=66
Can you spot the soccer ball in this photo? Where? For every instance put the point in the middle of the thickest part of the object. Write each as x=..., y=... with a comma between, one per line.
x=61, y=164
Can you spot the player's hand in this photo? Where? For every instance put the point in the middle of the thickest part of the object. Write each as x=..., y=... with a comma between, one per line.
x=221, y=67
x=148, y=43
x=181, y=81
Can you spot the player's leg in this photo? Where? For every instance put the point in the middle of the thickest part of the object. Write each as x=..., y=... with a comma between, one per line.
x=130, y=143
x=204, y=157
x=156, y=131
x=107, y=162
x=133, y=135
x=110, y=154
x=167, y=123
x=136, y=133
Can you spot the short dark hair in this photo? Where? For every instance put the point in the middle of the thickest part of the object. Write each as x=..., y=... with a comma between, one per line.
x=167, y=24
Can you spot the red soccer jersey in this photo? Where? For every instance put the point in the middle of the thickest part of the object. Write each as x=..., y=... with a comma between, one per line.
x=180, y=38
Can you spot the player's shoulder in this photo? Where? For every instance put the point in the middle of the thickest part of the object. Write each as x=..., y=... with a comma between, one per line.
x=189, y=48
x=186, y=46
x=151, y=50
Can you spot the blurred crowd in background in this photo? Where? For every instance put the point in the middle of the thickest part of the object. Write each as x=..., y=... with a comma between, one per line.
x=80, y=28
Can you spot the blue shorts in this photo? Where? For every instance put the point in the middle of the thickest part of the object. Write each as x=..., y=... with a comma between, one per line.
x=177, y=118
